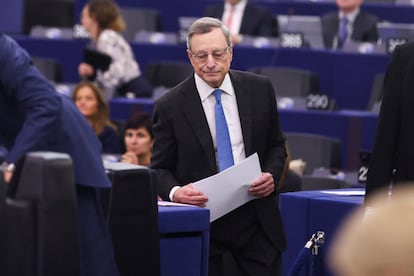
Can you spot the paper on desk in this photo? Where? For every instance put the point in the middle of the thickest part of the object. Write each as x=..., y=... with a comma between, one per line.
x=345, y=193
x=228, y=189
x=173, y=204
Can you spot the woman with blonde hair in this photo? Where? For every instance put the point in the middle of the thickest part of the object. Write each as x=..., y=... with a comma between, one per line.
x=92, y=104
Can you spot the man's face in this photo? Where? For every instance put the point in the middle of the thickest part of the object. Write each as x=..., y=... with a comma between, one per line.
x=347, y=6
x=210, y=56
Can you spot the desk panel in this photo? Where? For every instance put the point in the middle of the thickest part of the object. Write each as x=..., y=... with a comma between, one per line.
x=184, y=243
x=327, y=214
x=123, y=108
x=12, y=16
x=294, y=209
x=309, y=212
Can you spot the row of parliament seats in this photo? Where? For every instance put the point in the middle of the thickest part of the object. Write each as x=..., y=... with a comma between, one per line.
x=288, y=82
x=295, y=83
x=141, y=21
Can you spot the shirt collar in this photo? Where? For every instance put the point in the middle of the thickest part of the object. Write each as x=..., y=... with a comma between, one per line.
x=351, y=16
x=205, y=90
x=238, y=7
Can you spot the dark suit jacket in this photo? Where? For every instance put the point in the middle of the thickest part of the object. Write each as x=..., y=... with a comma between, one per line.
x=34, y=117
x=394, y=141
x=183, y=151
x=364, y=28
x=256, y=21
x=110, y=140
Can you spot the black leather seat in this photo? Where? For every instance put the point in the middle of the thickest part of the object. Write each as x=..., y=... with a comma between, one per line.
x=166, y=74
x=322, y=183
x=290, y=82
x=317, y=151
x=41, y=215
x=49, y=67
x=140, y=19
x=132, y=213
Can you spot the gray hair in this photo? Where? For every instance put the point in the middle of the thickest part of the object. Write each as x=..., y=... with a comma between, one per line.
x=205, y=25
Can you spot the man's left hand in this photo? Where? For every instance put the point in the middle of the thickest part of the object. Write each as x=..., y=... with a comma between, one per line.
x=263, y=186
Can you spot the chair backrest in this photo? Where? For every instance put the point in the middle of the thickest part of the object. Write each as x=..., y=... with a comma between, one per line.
x=138, y=19
x=322, y=183
x=166, y=74
x=46, y=180
x=376, y=90
x=309, y=26
x=132, y=213
x=316, y=150
x=51, y=13
x=290, y=82
x=49, y=67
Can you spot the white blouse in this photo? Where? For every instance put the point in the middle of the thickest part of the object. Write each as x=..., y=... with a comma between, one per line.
x=123, y=67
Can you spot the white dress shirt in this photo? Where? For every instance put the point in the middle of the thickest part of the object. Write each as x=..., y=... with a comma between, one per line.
x=349, y=28
x=236, y=17
x=231, y=111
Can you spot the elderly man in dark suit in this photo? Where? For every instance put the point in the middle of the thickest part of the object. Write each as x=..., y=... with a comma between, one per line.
x=34, y=117
x=185, y=149
x=244, y=18
x=350, y=22
x=391, y=161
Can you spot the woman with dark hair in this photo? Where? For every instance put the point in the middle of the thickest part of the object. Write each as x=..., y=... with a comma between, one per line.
x=91, y=102
x=138, y=139
x=103, y=20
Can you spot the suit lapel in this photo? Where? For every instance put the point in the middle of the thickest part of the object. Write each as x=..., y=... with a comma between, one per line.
x=248, y=21
x=194, y=113
x=245, y=110
x=358, y=26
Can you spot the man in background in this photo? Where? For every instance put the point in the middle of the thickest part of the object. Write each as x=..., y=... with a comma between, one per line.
x=350, y=22
x=187, y=148
x=244, y=18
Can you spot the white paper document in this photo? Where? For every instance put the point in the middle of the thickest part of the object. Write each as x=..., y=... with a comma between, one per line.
x=228, y=189
x=346, y=193
x=173, y=204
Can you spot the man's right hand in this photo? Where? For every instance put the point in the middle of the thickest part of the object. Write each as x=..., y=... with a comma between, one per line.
x=7, y=176
x=187, y=194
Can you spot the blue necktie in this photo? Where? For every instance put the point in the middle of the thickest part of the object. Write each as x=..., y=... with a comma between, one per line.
x=343, y=31
x=224, y=151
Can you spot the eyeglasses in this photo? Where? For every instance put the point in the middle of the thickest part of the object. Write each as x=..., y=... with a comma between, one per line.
x=216, y=54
